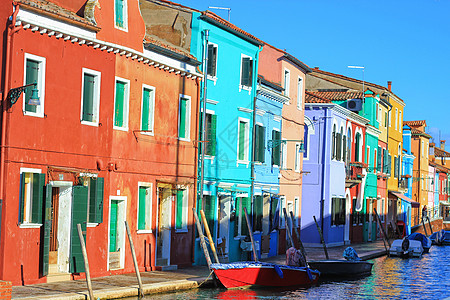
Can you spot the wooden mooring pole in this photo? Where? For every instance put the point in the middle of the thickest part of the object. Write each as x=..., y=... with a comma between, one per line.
x=298, y=236
x=250, y=232
x=321, y=238
x=136, y=267
x=382, y=230
x=208, y=234
x=291, y=240
x=202, y=239
x=86, y=262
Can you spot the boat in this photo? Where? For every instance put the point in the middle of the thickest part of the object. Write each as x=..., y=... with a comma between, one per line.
x=440, y=238
x=417, y=236
x=345, y=268
x=406, y=248
x=262, y=274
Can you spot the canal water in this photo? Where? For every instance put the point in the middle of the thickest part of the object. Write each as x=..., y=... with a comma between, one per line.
x=392, y=278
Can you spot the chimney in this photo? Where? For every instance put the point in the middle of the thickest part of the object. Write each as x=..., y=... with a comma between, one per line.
x=431, y=153
x=442, y=145
x=389, y=85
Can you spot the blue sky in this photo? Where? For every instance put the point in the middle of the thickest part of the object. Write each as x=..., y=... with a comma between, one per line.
x=406, y=42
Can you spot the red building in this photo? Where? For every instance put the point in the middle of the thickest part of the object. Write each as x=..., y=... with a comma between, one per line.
x=112, y=139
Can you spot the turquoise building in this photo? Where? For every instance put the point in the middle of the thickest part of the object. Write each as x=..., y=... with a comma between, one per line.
x=231, y=72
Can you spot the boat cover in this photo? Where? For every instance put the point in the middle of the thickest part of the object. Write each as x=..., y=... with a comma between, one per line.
x=417, y=236
x=350, y=254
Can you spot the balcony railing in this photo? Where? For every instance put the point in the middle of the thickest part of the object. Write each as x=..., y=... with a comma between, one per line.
x=403, y=183
x=353, y=170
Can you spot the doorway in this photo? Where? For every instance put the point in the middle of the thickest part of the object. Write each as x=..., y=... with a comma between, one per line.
x=348, y=206
x=164, y=222
x=223, y=233
x=116, y=237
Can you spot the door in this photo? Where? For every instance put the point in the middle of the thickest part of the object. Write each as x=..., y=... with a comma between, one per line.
x=164, y=227
x=53, y=255
x=113, y=226
x=348, y=205
x=370, y=216
x=223, y=234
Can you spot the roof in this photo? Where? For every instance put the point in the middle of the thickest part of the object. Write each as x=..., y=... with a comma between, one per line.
x=438, y=152
x=313, y=98
x=442, y=169
x=163, y=48
x=417, y=123
x=215, y=19
x=415, y=131
x=271, y=84
x=54, y=10
x=175, y=4
x=337, y=95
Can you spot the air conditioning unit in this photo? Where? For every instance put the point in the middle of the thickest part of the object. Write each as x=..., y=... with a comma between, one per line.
x=354, y=104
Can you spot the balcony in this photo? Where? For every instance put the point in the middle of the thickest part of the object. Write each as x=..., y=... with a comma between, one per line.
x=403, y=184
x=353, y=173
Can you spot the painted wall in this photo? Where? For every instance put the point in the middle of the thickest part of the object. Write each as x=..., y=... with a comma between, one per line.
x=395, y=139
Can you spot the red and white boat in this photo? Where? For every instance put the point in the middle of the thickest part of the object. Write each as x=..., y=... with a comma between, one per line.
x=242, y=274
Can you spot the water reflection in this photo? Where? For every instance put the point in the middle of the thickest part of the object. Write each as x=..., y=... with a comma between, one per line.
x=392, y=278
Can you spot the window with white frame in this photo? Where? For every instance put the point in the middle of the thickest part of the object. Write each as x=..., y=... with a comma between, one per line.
x=90, y=97
x=32, y=183
x=148, y=109
x=389, y=116
x=34, y=72
x=287, y=81
x=246, y=72
x=284, y=155
x=243, y=140
x=181, y=214
x=184, y=118
x=300, y=93
x=423, y=148
x=396, y=119
x=379, y=113
x=121, y=104
x=120, y=14
x=368, y=155
x=211, y=68
x=400, y=121
x=297, y=208
x=297, y=157
x=276, y=148
x=144, y=208
x=282, y=205
x=426, y=149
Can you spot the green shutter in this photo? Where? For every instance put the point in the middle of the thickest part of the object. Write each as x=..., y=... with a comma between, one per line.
x=96, y=200
x=241, y=153
x=246, y=202
x=208, y=134
x=256, y=148
x=119, y=13
x=88, y=97
x=22, y=197
x=179, y=213
x=262, y=144
x=113, y=226
x=142, y=208
x=37, y=201
x=45, y=243
x=245, y=76
x=119, y=105
x=32, y=76
x=212, y=54
x=145, y=109
x=379, y=155
x=276, y=150
x=250, y=73
x=257, y=213
x=79, y=214
x=209, y=210
x=260, y=132
x=212, y=135
x=183, y=119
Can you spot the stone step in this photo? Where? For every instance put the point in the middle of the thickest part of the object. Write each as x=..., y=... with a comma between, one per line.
x=166, y=268
x=58, y=277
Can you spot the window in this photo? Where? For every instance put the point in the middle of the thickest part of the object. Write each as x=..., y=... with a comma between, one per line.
x=396, y=119
x=376, y=112
x=282, y=203
x=208, y=204
x=297, y=208
x=338, y=143
x=240, y=224
x=344, y=146
x=375, y=160
x=396, y=160
x=184, y=118
x=243, y=140
x=305, y=141
x=121, y=100
x=257, y=216
x=300, y=93
x=389, y=116
x=400, y=121
x=145, y=208
x=260, y=132
x=120, y=14
x=426, y=149
x=148, y=109
x=32, y=184
x=379, y=113
x=284, y=155
x=385, y=161
x=379, y=165
x=385, y=119
x=349, y=145
x=181, y=217
x=211, y=125
x=287, y=81
x=276, y=149
x=95, y=199
x=90, y=101
x=212, y=60
x=357, y=146
x=368, y=155
x=423, y=148
x=34, y=73
x=246, y=72
x=297, y=157
x=333, y=142
x=337, y=211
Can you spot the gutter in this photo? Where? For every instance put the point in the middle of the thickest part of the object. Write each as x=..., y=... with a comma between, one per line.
x=297, y=62
x=171, y=54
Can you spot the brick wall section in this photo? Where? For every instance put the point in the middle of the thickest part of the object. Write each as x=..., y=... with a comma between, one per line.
x=5, y=290
x=437, y=225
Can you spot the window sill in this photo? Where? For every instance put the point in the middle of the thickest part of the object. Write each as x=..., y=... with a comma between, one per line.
x=30, y=225
x=91, y=225
x=149, y=132
x=120, y=128
x=245, y=88
x=144, y=231
x=181, y=230
x=184, y=139
x=125, y=28
x=93, y=124
x=243, y=162
x=31, y=114
x=212, y=78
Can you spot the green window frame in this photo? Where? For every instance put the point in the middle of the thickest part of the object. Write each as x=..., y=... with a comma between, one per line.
x=90, y=96
x=184, y=117
x=258, y=203
x=181, y=214
x=144, y=208
x=260, y=140
x=31, y=198
x=243, y=140
x=211, y=68
x=95, y=200
x=34, y=72
x=121, y=104
x=276, y=150
x=240, y=225
x=148, y=109
x=211, y=127
x=208, y=204
x=246, y=72
x=120, y=13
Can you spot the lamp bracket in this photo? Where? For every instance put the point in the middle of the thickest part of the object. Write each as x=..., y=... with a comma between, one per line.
x=14, y=94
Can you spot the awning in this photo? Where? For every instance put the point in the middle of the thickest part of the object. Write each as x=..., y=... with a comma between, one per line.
x=403, y=197
x=444, y=203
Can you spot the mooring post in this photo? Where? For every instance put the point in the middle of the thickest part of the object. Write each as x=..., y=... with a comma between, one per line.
x=86, y=263
x=208, y=234
x=250, y=232
x=298, y=236
x=321, y=238
x=202, y=239
x=136, y=267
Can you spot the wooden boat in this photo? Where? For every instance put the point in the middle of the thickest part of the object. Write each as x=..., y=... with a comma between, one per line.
x=417, y=236
x=406, y=248
x=440, y=238
x=261, y=274
x=344, y=268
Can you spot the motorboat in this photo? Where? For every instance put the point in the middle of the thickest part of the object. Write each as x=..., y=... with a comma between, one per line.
x=426, y=242
x=262, y=274
x=440, y=238
x=406, y=248
x=344, y=268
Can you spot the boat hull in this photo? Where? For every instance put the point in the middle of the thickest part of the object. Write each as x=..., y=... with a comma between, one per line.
x=342, y=268
x=257, y=275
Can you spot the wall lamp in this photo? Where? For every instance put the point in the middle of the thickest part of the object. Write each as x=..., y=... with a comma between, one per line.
x=15, y=93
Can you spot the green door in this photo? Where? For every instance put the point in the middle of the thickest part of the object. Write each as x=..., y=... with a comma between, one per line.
x=113, y=227
x=47, y=227
x=79, y=216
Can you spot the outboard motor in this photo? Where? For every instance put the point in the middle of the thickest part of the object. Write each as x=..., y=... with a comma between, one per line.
x=405, y=245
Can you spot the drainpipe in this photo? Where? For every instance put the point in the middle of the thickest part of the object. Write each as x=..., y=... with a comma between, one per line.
x=11, y=30
x=203, y=119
